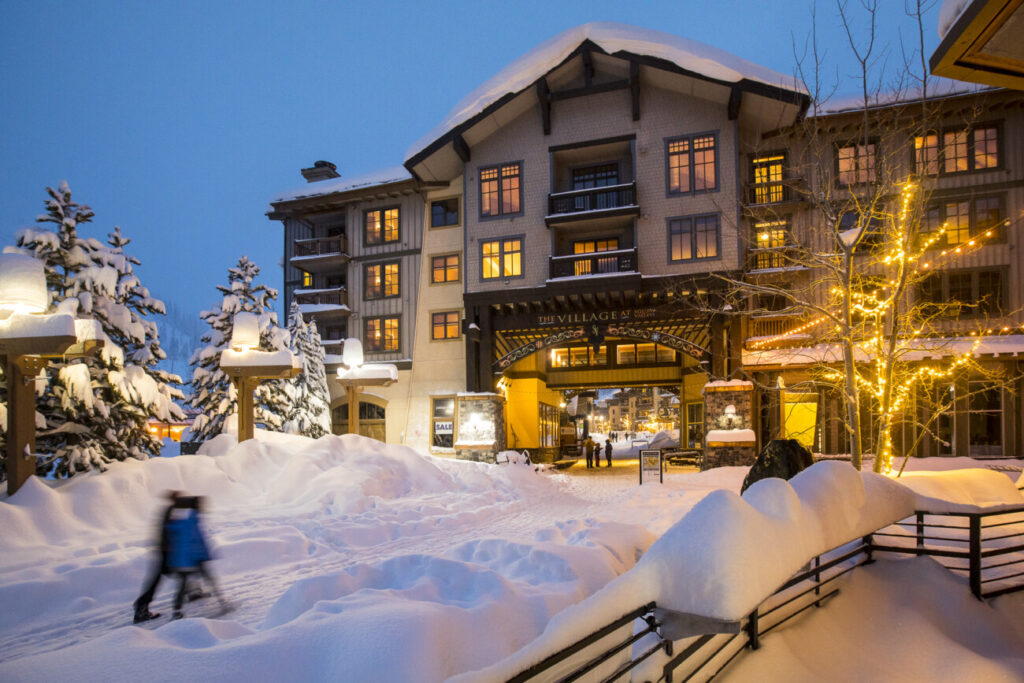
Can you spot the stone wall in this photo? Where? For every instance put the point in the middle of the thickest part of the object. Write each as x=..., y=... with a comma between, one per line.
x=718, y=396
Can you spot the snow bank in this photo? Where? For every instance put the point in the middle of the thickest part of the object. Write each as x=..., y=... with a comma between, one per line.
x=728, y=553
x=966, y=490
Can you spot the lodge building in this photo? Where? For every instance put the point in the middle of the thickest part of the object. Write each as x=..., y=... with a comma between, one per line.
x=562, y=229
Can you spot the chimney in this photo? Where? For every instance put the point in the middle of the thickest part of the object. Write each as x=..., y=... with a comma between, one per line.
x=321, y=170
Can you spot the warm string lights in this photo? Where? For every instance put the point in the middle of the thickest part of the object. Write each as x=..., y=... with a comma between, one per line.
x=788, y=333
x=891, y=384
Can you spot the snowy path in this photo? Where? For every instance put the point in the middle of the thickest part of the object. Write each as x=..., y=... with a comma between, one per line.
x=445, y=525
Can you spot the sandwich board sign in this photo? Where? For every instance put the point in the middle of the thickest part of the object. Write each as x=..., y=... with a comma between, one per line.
x=650, y=466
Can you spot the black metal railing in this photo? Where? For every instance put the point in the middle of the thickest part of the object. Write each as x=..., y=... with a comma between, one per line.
x=592, y=199
x=618, y=261
x=702, y=652
x=987, y=546
x=774, y=192
x=321, y=246
x=335, y=297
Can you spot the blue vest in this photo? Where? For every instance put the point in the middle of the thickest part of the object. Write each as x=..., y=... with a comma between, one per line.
x=187, y=547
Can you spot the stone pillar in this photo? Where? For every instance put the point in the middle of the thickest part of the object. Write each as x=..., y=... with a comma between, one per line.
x=729, y=439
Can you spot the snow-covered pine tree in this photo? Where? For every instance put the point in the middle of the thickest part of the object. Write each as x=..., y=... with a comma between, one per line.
x=309, y=410
x=93, y=410
x=213, y=394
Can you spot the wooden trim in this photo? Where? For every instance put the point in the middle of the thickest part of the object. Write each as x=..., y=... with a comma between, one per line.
x=592, y=143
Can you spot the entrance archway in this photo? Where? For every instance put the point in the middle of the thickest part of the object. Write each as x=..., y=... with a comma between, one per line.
x=372, y=417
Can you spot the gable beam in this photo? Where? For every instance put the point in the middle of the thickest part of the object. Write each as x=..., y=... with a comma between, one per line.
x=634, y=88
x=588, y=65
x=544, y=97
x=735, y=100
x=461, y=148
x=589, y=90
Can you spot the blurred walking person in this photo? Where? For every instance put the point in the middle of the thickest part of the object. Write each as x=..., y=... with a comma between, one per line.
x=160, y=567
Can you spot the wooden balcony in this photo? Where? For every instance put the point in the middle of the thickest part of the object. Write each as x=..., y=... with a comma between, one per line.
x=323, y=304
x=762, y=197
x=595, y=202
x=765, y=326
x=595, y=264
x=320, y=254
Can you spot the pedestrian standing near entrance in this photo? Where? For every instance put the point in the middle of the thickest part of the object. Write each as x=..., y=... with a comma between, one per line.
x=607, y=451
x=588, y=446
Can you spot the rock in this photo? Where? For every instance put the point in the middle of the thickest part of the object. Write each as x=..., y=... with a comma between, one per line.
x=781, y=458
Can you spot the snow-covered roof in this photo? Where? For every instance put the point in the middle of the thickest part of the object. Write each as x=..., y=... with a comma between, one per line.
x=385, y=176
x=919, y=349
x=22, y=325
x=938, y=88
x=249, y=358
x=700, y=58
x=949, y=13
x=384, y=371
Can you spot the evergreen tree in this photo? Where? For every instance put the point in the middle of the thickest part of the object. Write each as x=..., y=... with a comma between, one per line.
x=213, y=393
x=93, y=410
x=309, y=409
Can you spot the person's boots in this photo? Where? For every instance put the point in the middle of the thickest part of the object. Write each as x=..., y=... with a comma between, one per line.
x=142, y=613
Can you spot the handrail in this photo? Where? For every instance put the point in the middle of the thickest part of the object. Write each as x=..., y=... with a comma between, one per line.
x=592, y=199
x=783, y=604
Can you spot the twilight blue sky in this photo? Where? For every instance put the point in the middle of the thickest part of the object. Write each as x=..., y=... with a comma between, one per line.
x=178, y=121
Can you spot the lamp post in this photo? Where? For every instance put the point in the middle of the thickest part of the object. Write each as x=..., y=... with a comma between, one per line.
x=247, y=366
x=27, y=338
x=354, y=376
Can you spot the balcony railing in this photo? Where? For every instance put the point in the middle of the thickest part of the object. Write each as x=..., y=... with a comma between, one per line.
x=773, y=257
x=772, y=326
x=600, y=263
x=775, y=192
x=322, y=297
x=592, y=199
x=321, y=246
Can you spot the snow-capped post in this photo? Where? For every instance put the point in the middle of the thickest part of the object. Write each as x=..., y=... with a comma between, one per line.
x=247, y=365
x=27, y=338
x=353, y=376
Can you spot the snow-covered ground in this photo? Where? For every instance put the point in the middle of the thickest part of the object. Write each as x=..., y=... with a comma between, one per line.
x=351, y=560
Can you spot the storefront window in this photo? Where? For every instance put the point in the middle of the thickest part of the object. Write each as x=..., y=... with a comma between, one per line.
x=442, y=428
x=694, y=425
x=548, y=426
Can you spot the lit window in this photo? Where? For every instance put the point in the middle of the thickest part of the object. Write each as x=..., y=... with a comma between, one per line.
x=964, y=219
x=767, y=174
x=592, y=246
x=856, y=164
x=692, y=164
x=381, y=226
x=307, y=279
x=693, y=238
x=769, y=238
x=444, y=268
x=381, y=280
x=926, y=154
x=954, y=147
x=444, y=212
x=381, y=334
x=500, y=192
x=986, y=147
x=502, y=258
x=445, y=325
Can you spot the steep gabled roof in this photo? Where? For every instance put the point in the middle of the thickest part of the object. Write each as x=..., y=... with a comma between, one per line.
x=688, y=56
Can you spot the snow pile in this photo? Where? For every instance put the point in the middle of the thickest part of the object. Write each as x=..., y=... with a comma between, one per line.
x=961, y=490
x=728, y=553
x=664, y=439
x=689, y=54
x=229, y=358
x=23, y=325
x=370, y=371
x=730, y=436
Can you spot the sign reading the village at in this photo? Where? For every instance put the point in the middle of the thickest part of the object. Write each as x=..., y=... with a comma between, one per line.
x=650, y=466
x=578, y=318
